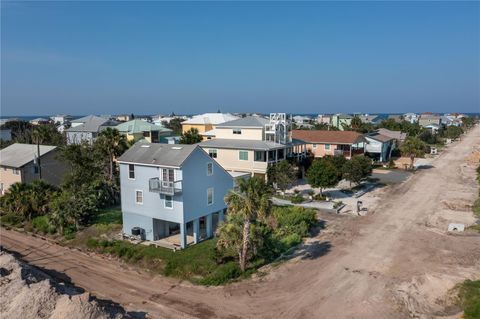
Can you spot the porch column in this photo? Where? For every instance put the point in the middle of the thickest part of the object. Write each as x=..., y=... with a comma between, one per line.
x=208, y=224
x=196, y=231
x=183, y=235
x=167, y=228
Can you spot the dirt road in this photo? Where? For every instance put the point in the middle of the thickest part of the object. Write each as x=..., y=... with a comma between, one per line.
x=396, y=261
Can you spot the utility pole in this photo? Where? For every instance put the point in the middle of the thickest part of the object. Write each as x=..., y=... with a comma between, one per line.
x=38, y=159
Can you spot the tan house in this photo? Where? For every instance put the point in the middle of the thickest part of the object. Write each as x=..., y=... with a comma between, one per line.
x=19, y=163
x=323, y=143
x=429, y=119
x=207, y=122
x=250, y=144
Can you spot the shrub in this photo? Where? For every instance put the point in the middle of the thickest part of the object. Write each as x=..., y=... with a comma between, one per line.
x=291, y=240
x=11, y=219
x=320, y=197
x=42, y=225
x=297, y=199
x=294, y=220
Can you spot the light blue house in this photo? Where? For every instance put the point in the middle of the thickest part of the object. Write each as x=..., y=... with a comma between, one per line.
x=172, y=191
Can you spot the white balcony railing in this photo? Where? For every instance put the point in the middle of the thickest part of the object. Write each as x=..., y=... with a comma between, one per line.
x=164, y=187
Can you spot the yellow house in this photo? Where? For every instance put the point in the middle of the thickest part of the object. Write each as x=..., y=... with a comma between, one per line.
x=250, y=144
x=136, y=130
x=206, y=122
x=19, y=163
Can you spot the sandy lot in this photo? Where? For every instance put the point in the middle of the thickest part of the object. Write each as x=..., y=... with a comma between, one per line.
x=396, y=262
x=27, y=292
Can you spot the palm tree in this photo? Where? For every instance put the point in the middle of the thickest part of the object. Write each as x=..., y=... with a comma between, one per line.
x=16, y=200
x=250, y=203
x=413, y=147
x=112, y=144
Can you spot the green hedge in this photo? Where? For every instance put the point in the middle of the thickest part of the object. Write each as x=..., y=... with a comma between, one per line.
x=469, y=298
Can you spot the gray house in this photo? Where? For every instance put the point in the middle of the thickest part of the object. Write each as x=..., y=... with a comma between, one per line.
x=379, y=147
x=87, y=129
x=172, y=193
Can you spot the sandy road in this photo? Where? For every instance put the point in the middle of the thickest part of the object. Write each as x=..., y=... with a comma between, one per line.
x=396, y=260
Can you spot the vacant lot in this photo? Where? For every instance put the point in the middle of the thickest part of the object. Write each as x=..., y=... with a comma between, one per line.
x=395, y=262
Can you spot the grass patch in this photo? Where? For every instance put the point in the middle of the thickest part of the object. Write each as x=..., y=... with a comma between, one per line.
x=111, y=215
x=295, y=199
x=469, y=298
x=11, y=219
x=198, y=263
x=476, y=207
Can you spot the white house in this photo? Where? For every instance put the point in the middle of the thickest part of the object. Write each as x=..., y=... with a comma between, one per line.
x=172, y=192
x=86, y=129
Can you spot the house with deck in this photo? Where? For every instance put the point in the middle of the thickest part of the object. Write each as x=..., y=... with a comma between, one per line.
x=251, y=143
x=172, y=194
x=379, y=147
x=23, y=163
x=323, y=143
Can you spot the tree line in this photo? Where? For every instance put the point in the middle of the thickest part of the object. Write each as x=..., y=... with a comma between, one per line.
x=91, y=182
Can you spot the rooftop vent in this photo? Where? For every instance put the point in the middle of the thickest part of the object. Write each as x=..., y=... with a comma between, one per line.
x=146, y=146
x=177, y=148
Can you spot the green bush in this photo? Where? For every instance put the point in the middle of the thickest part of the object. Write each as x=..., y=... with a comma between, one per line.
x=319, y=197
x=42, y=225
x=294, y=220
x=291, y=240
x=469, y=298
x=297, y=199
x=11, y=219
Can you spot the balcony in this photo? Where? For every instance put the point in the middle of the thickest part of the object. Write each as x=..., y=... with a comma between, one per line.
x=164, y=187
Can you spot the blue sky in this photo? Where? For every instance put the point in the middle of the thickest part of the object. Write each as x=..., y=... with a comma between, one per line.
x=311, y=57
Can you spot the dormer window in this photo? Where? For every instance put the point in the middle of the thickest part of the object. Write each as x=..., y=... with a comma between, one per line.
x=237, y=131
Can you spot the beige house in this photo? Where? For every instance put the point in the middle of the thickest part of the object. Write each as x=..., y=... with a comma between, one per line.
x=331, y=143
x=19, y=163
x=250, y=144
x=207, y=122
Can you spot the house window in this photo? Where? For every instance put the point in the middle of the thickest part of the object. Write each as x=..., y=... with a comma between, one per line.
x=243, y=155
x=168, y=201
x=16, y=171
x=139, y=197
x=209, y=169
x=212, y=153
x=35, y=169
x=259, y=156
x=168, y=175
x=146, y=133
x=210, y=196
x=314, y=146
x=327, y=147
x=131, y=171
x=237, y=131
